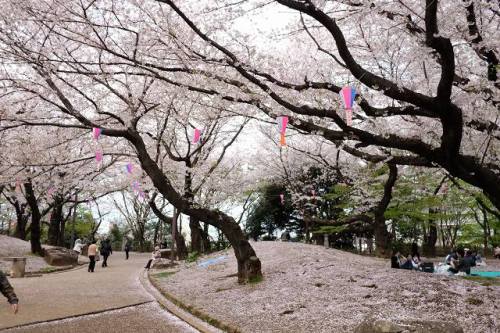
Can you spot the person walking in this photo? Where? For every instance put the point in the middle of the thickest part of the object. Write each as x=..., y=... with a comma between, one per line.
x=128, y=247
x=8, y=292
x=92, y=252
x=106, y=251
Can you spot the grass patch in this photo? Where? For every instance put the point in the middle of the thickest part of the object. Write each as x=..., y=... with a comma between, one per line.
x=192, y=257
x=256, y=279
x=163, y=275
x=484, y=281
x=48, y=270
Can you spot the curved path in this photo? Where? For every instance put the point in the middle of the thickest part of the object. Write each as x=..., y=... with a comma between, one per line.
x=111, y=299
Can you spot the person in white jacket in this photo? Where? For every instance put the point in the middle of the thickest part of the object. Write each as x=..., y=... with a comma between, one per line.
x=156, y=255
x=78, y=246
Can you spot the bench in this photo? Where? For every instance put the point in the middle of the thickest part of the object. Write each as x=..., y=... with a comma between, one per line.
x=18, y=266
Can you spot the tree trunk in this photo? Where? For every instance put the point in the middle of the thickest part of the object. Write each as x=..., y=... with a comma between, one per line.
x=205, y=239
x=249, y=266
x=196, y=235
x=382, y=236
x=54, y=233
x=430, y=239
x=36, y=246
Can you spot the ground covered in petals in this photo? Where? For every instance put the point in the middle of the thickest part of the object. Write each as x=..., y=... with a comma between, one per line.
x=308, y=288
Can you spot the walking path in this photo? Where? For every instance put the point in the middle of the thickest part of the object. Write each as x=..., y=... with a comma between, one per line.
x=111, y=299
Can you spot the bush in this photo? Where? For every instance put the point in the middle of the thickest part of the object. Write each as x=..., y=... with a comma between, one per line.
x=192, y=256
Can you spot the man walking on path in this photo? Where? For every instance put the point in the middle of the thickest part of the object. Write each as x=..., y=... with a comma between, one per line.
x=8, y=292
x=92, y=251
x=106, y=251
x=128, y=247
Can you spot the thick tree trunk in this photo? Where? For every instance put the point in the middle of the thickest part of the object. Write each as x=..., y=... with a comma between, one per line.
x=383, y=239
x=54, y=233
x=22, y=222
x=181, y=248
x=430, y=239
x=205, y=238
x=249, y=266
x=36, y=246
x=196, y=235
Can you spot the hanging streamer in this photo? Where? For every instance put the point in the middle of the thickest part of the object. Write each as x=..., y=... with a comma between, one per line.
x=129, y=167
x=282, y=123
x=98, y=156
x=196, y=135
x=96, y=132
x=348, y=95
x=282, y=197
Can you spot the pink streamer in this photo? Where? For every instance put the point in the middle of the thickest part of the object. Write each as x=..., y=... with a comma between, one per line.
x=282, y=197
x=196, y=135
x=129, y=167
x=98, y=156
x=97, y=132
x=282, y=123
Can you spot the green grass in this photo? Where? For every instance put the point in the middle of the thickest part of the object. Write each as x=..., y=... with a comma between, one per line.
x=255, y=280
x=485, y=281
x=193, y=257
x=48, y=270
x=163, y=275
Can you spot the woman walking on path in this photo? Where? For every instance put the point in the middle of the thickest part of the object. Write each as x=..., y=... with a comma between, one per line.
x=92, y=251
x=106, y=251
x=8, y=292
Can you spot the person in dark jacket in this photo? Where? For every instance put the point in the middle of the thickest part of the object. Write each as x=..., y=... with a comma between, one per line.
x=128, y=247
x=106, y=251
x=8, y=292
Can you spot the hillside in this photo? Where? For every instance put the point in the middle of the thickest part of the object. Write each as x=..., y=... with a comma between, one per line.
x=14, y=247
x=308, y=288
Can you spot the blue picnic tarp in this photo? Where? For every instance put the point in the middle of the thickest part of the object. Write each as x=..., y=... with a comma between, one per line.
x=211, y=261
x=486, y=274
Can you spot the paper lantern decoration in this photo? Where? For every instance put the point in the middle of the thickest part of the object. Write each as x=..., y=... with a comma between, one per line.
x=96, y=132
x=282, y=123
x=348, y=95
x=129, y=167
x=282, y=197
x=196, y=135
x=98, y=156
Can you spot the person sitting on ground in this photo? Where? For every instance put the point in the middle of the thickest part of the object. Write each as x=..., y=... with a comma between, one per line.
x=414, y=251
x=467, y=262
x=156, y=255
x=496, y=252
x=7, y=290
x=407, y=263
x=395, y=261
x=451, y=257
x=478, y=258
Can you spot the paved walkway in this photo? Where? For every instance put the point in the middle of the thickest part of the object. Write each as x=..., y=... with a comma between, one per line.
x=78, y=301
